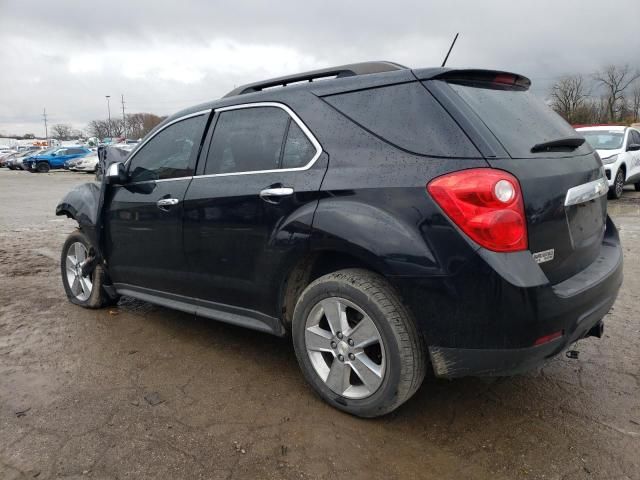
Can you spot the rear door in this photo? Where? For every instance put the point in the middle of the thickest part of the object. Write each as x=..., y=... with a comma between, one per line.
x=247, y=217
x=143, y=220
x=564, y=227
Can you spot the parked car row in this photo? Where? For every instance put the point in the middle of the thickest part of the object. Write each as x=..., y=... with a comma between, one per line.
x=78, y=158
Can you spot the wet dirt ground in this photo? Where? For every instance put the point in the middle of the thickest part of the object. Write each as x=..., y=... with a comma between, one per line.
x=140, y=391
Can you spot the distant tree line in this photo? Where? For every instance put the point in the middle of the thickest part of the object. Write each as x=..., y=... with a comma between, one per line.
x=135, y=125
x=611, y=95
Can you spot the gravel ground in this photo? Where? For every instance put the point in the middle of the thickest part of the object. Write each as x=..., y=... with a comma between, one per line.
x=140, y=391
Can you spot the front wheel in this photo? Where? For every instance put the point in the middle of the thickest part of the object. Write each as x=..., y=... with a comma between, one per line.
x=84, y=290
x=43, y=167
x=357, y=344
x=637, y=187
x=615, y=192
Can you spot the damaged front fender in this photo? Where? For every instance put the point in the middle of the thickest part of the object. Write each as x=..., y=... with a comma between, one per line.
x=84, y=205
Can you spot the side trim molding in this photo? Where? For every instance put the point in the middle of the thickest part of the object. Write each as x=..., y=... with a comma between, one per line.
x=203, y=308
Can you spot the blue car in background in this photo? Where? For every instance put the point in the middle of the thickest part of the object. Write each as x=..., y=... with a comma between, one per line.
x=53, y=159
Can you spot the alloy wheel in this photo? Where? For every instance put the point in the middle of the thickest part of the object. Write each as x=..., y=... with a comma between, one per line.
x=79, y=285
x=345, y=348
x=619, y=184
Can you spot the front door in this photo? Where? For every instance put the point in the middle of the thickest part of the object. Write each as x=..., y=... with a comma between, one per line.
x=633, y=175
x=247, y=218
x=143, y=217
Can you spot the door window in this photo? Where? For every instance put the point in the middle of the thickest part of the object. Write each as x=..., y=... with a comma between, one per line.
x=171, y=153
x=247, y=140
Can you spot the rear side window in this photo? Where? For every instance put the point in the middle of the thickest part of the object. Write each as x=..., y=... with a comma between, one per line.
x=517, y=118
x=247, y=140
x=406, y=116
x=298, y=149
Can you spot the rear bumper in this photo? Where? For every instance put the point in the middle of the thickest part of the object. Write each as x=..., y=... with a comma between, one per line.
x=482, y=322
x=462, y=362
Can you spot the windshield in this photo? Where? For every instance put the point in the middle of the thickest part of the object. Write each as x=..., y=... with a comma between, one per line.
x=517, y=118
x=603, y=139
x=43, y=152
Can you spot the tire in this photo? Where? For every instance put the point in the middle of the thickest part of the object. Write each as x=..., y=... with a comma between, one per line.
x=637, y=187
x=615, y=192
x=96, y=297
x=398, y=357
x=43, y=167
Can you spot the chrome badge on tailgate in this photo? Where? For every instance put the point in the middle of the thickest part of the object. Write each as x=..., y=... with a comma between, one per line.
x=586, y=192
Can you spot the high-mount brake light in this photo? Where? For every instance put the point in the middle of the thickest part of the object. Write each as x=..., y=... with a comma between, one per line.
x=505, y=79
x=486, y=204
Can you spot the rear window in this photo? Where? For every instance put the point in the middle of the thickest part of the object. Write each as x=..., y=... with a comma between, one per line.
x=406, y=116
x=517, y=118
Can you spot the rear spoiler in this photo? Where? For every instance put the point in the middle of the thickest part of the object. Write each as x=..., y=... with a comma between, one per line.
x=476, y=77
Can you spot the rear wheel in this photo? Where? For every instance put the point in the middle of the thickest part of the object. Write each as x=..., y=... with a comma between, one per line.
x=43, y=167
x=616, y=190
x=637, y=187
x=357, y=344
x=84, y=290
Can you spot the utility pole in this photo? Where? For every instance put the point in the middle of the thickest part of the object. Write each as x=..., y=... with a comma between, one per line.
x=124, y=119
x=109, y=112
x=46, y=131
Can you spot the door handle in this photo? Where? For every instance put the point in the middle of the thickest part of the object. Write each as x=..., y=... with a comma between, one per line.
x=273, y=195
x=165, y=203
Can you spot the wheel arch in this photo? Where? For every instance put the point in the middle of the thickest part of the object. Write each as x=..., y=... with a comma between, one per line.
x=313, y=266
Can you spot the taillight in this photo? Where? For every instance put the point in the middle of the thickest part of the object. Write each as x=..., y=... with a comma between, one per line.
x=486, y=204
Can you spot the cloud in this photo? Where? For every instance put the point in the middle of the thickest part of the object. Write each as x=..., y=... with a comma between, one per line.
x=164, y=56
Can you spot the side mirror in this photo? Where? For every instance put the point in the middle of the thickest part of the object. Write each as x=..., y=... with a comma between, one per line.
x=53, y=154
x=116, y=174
x=633, y=147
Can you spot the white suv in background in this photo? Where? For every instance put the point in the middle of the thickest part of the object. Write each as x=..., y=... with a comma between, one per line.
x=619, y=149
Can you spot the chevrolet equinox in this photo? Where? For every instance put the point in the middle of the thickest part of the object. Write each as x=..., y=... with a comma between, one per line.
x=391, y=221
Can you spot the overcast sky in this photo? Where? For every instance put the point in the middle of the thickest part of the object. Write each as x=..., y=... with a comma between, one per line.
x=163, y=56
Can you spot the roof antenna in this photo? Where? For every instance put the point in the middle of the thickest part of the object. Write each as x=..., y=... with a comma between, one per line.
x=450, y=48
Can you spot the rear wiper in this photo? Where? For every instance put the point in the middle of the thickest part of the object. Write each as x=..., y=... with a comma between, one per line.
x=567, y=143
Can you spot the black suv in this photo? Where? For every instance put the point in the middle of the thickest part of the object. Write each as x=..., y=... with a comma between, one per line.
x=394, y=221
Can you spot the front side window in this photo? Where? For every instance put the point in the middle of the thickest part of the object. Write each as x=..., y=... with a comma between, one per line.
x=247, y=140
x=171, y=153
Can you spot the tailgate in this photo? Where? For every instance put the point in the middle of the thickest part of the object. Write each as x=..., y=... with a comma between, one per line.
x=560, y=175
x=573, y=232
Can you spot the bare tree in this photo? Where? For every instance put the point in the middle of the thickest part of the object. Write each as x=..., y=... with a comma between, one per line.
x=568, y=96
x=635, y=102
x=61, y=131
x=616, y=80
x=139, y=124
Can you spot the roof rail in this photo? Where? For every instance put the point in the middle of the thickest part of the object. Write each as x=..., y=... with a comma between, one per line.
x=350, y=70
